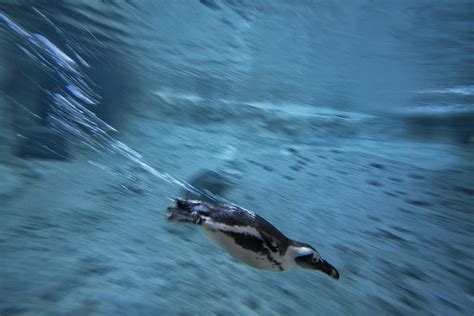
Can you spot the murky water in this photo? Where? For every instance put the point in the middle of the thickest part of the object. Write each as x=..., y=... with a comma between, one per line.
x=349, y=126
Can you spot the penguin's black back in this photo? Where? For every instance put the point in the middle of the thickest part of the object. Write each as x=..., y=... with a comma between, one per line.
x=236, y=216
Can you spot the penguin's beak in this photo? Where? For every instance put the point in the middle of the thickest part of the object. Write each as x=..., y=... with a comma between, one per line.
x=327, y=268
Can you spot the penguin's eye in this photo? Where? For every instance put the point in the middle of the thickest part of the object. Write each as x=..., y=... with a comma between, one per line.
x=315, y=260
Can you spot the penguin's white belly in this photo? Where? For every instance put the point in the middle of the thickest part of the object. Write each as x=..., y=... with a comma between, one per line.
x=254, y=259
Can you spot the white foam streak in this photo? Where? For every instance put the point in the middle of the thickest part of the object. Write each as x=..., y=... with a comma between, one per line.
x=463, y=90
x=68, y=114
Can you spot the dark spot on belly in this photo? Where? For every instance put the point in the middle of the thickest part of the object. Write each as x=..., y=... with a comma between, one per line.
x=255, y=244
x=269, y=244
x=248, y=242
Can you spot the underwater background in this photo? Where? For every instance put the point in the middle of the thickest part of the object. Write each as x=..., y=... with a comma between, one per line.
x=348, y=125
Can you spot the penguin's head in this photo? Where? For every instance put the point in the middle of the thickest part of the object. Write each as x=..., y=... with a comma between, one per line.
x=307, y=257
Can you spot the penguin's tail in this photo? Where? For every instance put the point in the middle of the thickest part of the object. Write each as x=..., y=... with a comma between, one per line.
x=186, y=211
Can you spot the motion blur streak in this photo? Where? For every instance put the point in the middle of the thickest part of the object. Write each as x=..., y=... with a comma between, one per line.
x=348, y=125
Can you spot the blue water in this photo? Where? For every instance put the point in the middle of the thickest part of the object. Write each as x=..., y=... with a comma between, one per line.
x=347, y=125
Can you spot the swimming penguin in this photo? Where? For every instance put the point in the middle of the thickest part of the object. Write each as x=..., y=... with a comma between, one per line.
x=248, y=237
